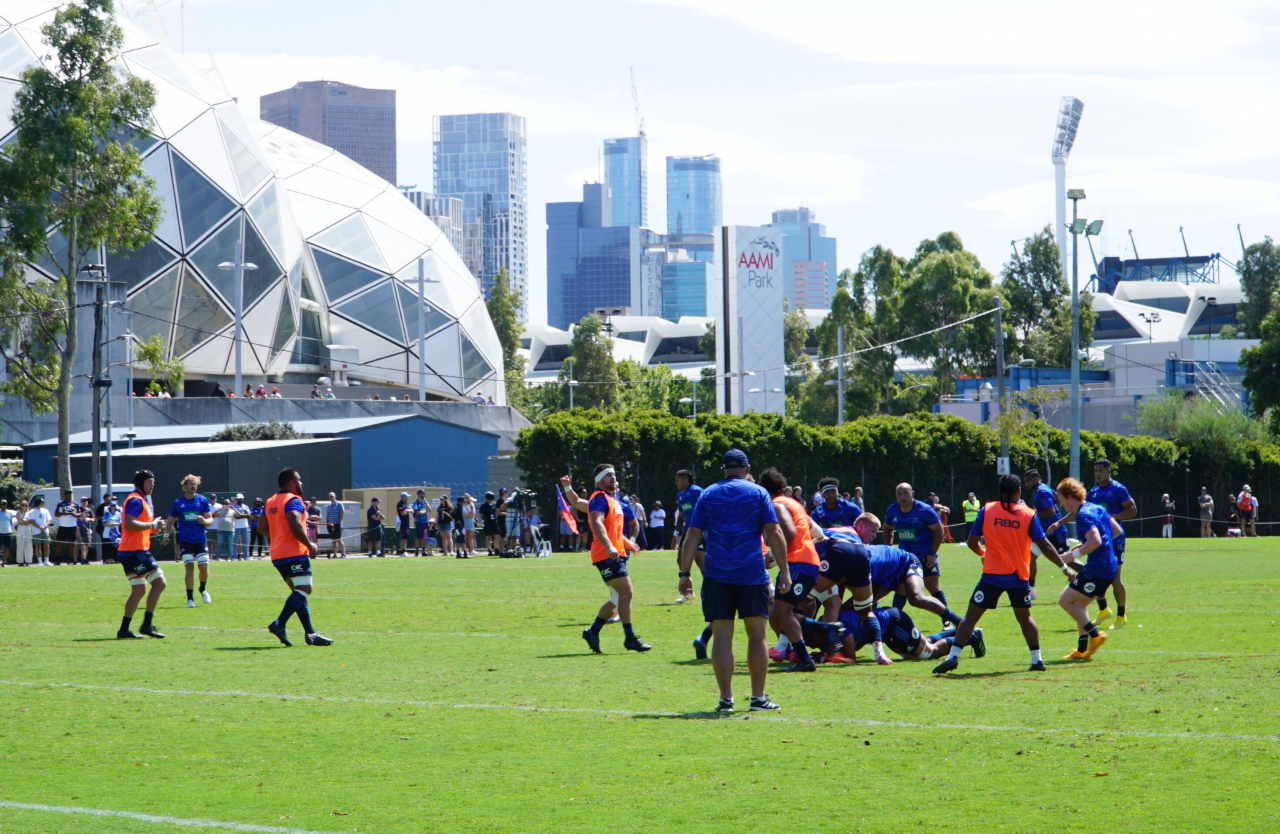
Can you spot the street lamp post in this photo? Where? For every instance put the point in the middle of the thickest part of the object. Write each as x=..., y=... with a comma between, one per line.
x=1002, y=466
x=239, y=266
x=1064, y=137
x=422, y=326
x=1078, y=227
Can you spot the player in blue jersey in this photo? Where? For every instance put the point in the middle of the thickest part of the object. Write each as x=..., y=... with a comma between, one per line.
x=901, y=635
x=1097, y=531
x=833, y=510
x=846, y=564
x=421, y=521
x=687, y=495
x=1045, y=504
x=919, y=531
x=191, y=515
x=1112, y=495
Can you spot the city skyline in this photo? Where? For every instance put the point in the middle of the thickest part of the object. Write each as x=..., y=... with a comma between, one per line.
x=853, y=126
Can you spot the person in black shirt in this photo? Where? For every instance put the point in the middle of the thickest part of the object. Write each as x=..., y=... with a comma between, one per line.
x=217, y=391
x=489, y=516
x=373, y=518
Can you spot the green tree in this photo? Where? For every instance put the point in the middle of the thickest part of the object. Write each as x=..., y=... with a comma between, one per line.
x=1261, y=367
x=707, y=343
x=71, y=167
x=1031, y=284
x=166, y=373
x=1219, y=440
x=504, y=306
x=643, y=388
x=591, y=364
x=795, y=333
x=1049, y=344
x=273, y=429
x=1259, y=272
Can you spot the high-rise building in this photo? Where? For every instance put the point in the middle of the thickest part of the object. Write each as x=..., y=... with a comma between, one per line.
x=354, y=121
x=591, y=264
x=481, y=159
x=808, y=253
x=445, y=212
x=688, y=287
x=626, y=175
x=693, y=194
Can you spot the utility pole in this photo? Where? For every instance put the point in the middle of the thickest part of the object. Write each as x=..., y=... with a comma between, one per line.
x=1076, y=195
x=1002, y=465
x=239, y=266
x=840, y=375
x=422, y=330
x=95, y=443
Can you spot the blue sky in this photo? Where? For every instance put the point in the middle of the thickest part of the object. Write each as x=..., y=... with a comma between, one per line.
x=892, y=121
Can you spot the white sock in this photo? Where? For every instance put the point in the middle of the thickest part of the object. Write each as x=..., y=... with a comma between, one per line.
x=955, y=652
x=1035, y=655
x=783, y=643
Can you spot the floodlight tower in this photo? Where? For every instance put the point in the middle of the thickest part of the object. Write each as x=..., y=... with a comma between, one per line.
x=1064, y=137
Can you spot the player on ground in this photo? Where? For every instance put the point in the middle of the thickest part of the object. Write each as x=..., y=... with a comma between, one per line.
x=834, y=510
x=846, y=564
x=919, y=531
x=1008, y=527
x=800, y=533
x=1097, y=532
x=136, y=559
x=1119, y=504
x=608, y=553
x=292, y=550
x=1046, y=507
x=900, y=635
x=191, y=515
x=737, y=514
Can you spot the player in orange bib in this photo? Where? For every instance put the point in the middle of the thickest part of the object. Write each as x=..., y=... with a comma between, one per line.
x=284, y=523
x=609, y=548
x=1008, y=527
x=134, y=552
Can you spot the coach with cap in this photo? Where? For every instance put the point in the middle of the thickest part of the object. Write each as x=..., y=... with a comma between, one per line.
x=735, y=514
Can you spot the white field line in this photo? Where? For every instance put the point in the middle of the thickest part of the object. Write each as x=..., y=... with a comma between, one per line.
x=157, y=818
x=524, y=708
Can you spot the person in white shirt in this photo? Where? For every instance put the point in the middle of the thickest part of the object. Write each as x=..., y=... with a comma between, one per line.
x=22, y=534
x=226, y=522
x=6, y=532
x=240, y=527
x=40, y=520
x=211, y=533
x=657, y=526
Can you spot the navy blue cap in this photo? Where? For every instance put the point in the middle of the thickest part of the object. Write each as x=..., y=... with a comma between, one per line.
x=734, y=459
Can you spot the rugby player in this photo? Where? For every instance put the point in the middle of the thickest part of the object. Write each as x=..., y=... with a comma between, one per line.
x=291, y=553
x=799, y=532
x=901, y=635
x=135, y=556
x=1097, y=531
x=687, y=494
x=1113, y=496
x=738, y=514
x=608, y=554
x=846, y=563
x=1046, y=507
x=834, y=510
x=191, y=515
x=1008, y=528
x=629, y=522
x=919, y=531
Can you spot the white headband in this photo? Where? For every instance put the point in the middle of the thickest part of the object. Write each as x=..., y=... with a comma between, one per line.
x=604, y=472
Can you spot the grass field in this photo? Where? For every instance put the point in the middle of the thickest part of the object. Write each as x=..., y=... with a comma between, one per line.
x=460, y=697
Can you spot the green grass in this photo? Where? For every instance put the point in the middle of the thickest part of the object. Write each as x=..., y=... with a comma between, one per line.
x=459, y=697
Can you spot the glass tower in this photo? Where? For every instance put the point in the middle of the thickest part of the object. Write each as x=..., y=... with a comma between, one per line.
x=590, y=263
x=481, y=159
x=626, y=175
x=808, y=258
x=693, y=195
x=688, y=288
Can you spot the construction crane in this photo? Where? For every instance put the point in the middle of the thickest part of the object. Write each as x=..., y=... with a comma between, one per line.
x=635, y=102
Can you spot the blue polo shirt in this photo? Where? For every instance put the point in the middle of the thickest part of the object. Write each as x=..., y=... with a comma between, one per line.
x=734, y=512
x=188, y=513
x=421, y=513
x=1101, y=562
x=843, y=514
x=912, y=527
x=1110, y=497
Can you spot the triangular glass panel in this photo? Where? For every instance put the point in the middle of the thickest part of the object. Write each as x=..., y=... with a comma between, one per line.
x=376, y=310
x=268, y=272
x=200, y=316
x=265, y=211
x=309, y=349
x=313, y=214
x=136, y=137
x=176, y=109
x=351, y=238
x=137, y=266
x=474, y=366
x=443, y=356
x=435, y=290
x=409, y=303
x=15, y=57
x=201, y=203
x=342, y=277
x=152, y=306
x=286, y=327
x=221, y=248
x=56, y=263
x=397, y=247
x=201, y=143
x=157, y=167
x=300, y=280
x=156, y=59
x=249, y=170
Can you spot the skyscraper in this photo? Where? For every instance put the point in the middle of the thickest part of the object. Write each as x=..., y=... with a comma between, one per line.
x=354, y=121
x=693, y=194
x=445, y=212
x=626, y=175
x=808, y=259
x=590, y=263
x=481, y=159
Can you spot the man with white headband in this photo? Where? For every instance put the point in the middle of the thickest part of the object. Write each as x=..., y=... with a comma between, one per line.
x=832, y=510
x=609, y=547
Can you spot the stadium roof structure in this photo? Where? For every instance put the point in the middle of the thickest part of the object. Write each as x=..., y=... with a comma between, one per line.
x=336, y=247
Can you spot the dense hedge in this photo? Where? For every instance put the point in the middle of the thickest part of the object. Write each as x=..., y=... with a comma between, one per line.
x=934, y=452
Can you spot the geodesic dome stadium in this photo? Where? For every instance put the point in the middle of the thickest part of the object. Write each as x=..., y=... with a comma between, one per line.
x=337, y=248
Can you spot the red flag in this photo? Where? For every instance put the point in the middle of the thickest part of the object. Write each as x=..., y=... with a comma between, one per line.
x=566, y=512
